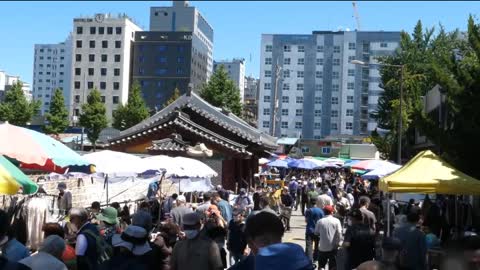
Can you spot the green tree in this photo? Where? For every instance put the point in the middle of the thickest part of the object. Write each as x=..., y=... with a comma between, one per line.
x=175, y=96
x=133, y=112
x=221, y=92
x=57, y=117
x=15, y=108
x=93, y=117
x=383, y=144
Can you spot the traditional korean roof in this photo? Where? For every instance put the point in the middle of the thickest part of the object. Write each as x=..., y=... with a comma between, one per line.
x=169, y=144
x=173, y=115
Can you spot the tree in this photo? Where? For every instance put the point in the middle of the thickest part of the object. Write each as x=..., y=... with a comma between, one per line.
x=93, y=117
x=175, y=96
x=58, y=115
x=15, y=108
x=383, y=144
x=221, y=92
x=133, y=112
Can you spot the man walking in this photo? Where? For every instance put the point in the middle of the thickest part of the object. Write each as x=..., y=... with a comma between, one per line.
x=414, y=245
x=224, y=207
x=329, y=231
x=312, y=215
x=180, y=210
x=368, y=216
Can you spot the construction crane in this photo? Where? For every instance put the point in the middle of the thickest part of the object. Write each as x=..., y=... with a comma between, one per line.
x=355, y=14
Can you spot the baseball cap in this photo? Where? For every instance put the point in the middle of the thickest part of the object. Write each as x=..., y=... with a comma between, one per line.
x=134, y=238
x=328, y=209
x=191, y=219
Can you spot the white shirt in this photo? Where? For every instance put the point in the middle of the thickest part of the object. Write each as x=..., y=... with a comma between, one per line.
x=81, y=244
x=329, y=230
x=351, y=198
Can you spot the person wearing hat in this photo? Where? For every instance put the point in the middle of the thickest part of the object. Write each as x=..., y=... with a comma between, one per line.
x=286, y=205
x=180, y=210
x=64, y=198
x=108, y=223
x=49, y=255
x=237, y=240
x=329, y=231
x=359, y=240
x=195, y=252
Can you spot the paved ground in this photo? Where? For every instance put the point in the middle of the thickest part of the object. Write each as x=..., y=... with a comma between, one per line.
x=297, y=229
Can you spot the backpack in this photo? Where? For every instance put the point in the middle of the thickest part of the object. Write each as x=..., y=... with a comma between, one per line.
x=104, y=250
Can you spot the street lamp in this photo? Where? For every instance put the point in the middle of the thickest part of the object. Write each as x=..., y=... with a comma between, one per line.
x=401, y=67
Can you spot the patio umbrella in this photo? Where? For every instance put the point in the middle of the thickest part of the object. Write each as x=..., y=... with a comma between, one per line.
x=194, y=168
x=336, y=161
x=116, y=164
x=381, y=172
x=318, y=162
x=372, y=164
x=303, y=164
x=12, y=179
x=350, y=163
x=279, y=163
x=35, y=150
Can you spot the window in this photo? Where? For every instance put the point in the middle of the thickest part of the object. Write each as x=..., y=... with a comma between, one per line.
x=268, y=48
x=116, y=85
x=335, y=87
x=266, y=98
x=115, y=99
x=41, y=57
x=299, y=100
x=78, y=71
x=285, y=99
x=92, y=44
x=300, y=86
x=77, y=85
x=181, y=49
x=350, y=86
x=101, y=30
x=116, y=72
x=319, y=61
x=93, y=30
x=180, y=71
x=284, y=124
x=349, y=112
x=301, y=61
x=103, y=99
x=287, y=48
x=334, y=113
x=268, y=73
x=301, y=48
x=268, y=61
x=117, y=57
x=351, y=46
x=351, y=72
x=300, y=74
x=284, y=112
x=298, y=112
x=348, y=125
x=161, y=48
x=78, y=57
x=105, y=44
x=61, y=65
x=141, y=71
x=109, y=30
x=79, y=30
x=317, y=113
x=351, y=58
x=320, y=49
x=118, y=30
x=91, y=57
x=334, y=100
x=335, y=75
x=286, y=61
x=298, y=125
x=266, y=111
x=383, y=45
x=103, y=71
x=286, y=87
x=161, y=71
x=349, y=99
x=104, y=58
x=336, y=49
x=286, y=73
x=318, y=74
x=180, y=59
x=267, y=86
x=336, y=62
x=90, y=85
x=318, y=87
x=103, y=85
x=79, y=45
x=266, y=124
x=326, y=150
x=318, y=100
x=316, y=125
x=118, y=44
x=90, y=71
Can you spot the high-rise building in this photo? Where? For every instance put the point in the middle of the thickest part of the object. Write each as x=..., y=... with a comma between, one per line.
x=51, y=70
x=318, y=90
x=236, y=71
x=187, y=19
x=101, y=58
x=7, y=81
x=250, y=99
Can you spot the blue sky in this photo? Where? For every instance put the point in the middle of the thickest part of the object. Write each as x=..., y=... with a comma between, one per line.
x=238, y=25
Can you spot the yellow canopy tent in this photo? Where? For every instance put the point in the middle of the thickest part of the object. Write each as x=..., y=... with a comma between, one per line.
x=428, y=173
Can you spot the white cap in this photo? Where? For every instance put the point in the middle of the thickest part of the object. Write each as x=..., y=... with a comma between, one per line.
x=181, y=198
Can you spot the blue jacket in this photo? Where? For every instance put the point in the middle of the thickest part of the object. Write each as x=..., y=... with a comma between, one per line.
x=312, y=215
x=285, y=256
x=89, y=261
x=226, y=210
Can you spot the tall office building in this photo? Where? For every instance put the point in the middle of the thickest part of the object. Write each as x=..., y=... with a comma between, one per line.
x=187, y=19
x=318, y=90
x=101, y=58
x=236, y=71
x=52, y=70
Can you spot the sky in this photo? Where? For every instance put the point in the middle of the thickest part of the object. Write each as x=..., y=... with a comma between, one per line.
x=238, y=25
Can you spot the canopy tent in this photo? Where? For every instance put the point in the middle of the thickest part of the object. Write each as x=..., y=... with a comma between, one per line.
x=194, y=168
x=428, y=173
x=306, y=164
x=167, y=163
x=116, y=164
x=278, y=163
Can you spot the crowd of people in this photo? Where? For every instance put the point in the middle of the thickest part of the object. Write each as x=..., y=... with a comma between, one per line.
x=222, y=230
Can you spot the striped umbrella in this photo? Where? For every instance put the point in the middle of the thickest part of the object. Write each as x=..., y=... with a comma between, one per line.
x=12, y=179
